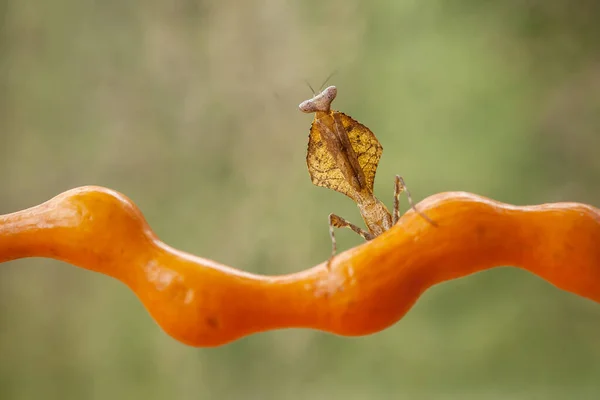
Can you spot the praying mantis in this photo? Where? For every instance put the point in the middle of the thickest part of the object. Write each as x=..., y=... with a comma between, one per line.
x=343, y=155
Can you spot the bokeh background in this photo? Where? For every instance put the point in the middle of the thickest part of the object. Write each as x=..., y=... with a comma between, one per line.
x=189, y=107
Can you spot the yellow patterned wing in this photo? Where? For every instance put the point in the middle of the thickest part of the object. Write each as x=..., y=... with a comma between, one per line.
x=366, y=146
x=322, y=166
x=321, y=163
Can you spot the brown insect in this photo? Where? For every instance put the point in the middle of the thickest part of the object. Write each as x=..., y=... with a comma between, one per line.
x=343, y=155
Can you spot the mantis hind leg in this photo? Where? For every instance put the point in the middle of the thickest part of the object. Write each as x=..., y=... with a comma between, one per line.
x=399, y=188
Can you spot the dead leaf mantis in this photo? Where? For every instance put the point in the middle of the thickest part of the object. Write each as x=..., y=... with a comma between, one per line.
x=343, y=155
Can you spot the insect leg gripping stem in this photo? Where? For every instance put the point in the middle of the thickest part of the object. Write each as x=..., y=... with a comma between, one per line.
x=369, y=288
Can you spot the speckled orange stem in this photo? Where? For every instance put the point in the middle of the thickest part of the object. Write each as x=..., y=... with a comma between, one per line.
x=370, y=287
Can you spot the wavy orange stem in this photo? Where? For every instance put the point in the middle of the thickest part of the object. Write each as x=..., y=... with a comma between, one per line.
x=370, y=287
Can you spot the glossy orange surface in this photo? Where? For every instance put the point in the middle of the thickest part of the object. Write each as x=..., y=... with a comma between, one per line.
x=369, y=288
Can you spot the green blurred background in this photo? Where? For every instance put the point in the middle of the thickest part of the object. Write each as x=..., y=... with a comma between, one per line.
x=190, y=109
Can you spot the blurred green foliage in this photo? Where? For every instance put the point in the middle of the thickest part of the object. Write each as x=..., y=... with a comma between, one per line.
x=190, y=108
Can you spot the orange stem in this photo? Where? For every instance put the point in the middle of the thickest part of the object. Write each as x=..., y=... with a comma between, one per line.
x=370, y=287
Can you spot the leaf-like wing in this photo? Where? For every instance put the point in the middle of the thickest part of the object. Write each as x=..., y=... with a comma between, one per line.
x=365, y=145
x=322, y=167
